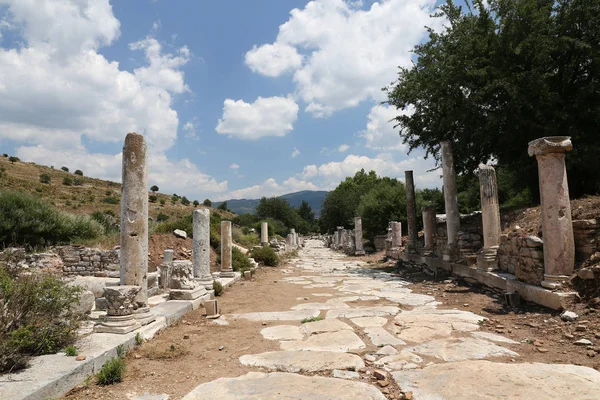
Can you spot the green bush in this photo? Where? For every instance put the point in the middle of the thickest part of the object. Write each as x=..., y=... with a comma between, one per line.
x=71, y=351
x=65, y=169
x=239, y=261
x=28, y=221
x=78, y=172
x=111, y=200
x=13, y=159
x=163, y=202
x=207, y=203
x=45, y=178
x=185, y=201
x=108, y=221
x=218, y=288
x=111, y=372
x=67, y=181
x=37, y=316
x=77, y=182
x=152, y=198
x=162, y=217
x=266, y=256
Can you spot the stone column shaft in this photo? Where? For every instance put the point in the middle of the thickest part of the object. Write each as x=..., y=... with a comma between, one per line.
x=134, y=223
x=490, y=218
x=226, y=251
x=411, y=211
x=340, y=236
x=201, y=248
x=358, y=236
x=429, y=226
x=264, y=233
x=557, y=226
x=450, y=200
x=396, y=234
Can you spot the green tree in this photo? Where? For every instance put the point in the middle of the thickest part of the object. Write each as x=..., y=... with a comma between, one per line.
x=279, y=208
x=13, y=159
x=223, y=206
x=65, y=169
x=196, y=203
x=384, y=203
x=78, y=172
x=185, y=201
x=154, y=189
x=499, y=76
x=207, y=203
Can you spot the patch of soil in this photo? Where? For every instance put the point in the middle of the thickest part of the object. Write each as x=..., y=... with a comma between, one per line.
x=543, y=336
x=182, y=250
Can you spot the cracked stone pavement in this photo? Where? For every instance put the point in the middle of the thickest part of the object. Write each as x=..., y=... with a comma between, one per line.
x=433, y=353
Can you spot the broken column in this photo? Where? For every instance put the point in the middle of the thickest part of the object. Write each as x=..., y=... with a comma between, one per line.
x=487, y=260
x=340, y=237
x=294, y=239
x=120, y=310
x=182, y=285
x=226, y=252
x=201, y=248
x=358, y=237
x=264, y=234
x=429, y=227
x=411, y=211
x=134, y=224
x=165, y=268
x=396, y=235
x=451, y=202
x=557, y=227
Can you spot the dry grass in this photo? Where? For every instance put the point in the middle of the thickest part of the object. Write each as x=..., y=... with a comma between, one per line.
x=171, y=352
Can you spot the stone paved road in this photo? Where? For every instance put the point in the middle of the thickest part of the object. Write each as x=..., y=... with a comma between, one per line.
x=376, y=321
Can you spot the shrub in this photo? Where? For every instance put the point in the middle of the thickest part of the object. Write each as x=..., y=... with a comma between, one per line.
x=65, y=169
x=26, y=220
x=218, y=288
x=5, y=155
x=152, y=198
x=162, y=217
x=38, y=189
x=196, y=203
x=111, y=372
x=109, y=222
x=207, y=203
x=67, y=181
x=223, y=206
x=266, y=256
x=239, y=261
x=185, y=201
x=78, y=172
x=162, y=202
x=45, y=178
x=13, y=159
x=111, y=200
x=174, y=199
x=37, y=316
x=77, y=182
x=71, y=351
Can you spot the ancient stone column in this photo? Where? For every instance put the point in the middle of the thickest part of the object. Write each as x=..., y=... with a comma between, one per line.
x=557, y=227
x=490, y=215
x=201, y=248
x=411, y=211
x=358, y=236
x=396, y=235
x=294, y=237
x=264, y=234
x=226, y=252
x=134, y=223
x=340, y=236
x=165, y=268
x=451, y=202
x=429, y=227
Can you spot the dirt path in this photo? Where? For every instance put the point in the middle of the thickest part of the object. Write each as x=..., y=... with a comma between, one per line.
x=379, y=334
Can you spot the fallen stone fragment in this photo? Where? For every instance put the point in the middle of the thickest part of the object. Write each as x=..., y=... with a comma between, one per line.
x=180, y=234
x=283, y=386
x=568, y=316
x=80, y=358
x=583, y=342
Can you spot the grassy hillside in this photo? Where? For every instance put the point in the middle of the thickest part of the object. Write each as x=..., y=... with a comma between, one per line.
x=247, y=206
x=91, y=195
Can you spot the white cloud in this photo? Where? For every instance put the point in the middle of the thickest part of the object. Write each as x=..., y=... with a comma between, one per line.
x=380, y=133
x=343, y=148
x=342, y=54
x=234, y=166
x=190, y=131
x=57, y=88
x=270, y=188
x=269, y=116
x=295, y=153
x=273, y=59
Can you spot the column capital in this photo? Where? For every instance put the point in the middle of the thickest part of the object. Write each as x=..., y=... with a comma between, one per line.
x=549, y=144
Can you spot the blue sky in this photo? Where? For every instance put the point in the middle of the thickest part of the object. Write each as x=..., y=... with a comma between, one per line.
x=236, y=98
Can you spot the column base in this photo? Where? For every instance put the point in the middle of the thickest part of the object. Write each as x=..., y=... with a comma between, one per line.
x=119, y=324
x=186, y=294
x=553, y=281
x=264, y=244
x=207, y=282
x=227, y=273
x=487, y=260
x=451, y=252
x=144, y=316
x=359, y=253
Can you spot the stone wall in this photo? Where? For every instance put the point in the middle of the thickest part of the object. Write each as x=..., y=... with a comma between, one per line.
x=523, y=256
x=79, y=260
x=587, y=238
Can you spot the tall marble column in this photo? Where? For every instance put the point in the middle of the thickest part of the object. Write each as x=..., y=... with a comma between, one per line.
x=490, y=216
x=411, y=211
x=134, y=224
x=557, y=227
x=451, y=202
x=201, y=248
x=294, y=238
x=226, y=251
x=358, y=236
x=264, y=234
x=396, y=235
x=429, y=227
x=340, y=237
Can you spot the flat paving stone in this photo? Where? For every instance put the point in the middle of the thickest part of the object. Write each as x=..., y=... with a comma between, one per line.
x=356, y=312
x=460, y=349
x=341, y=374
x=320, y=306
x=493, y=337
x=485, y=380
x=303, y=361
x=425, y=332
x=380, y=337
x=366, y=322
x=406, y=299
x=282, y=332
x=297, y=315
x=284, y=386
x=339, y=342
x=396, y=362
x=325, y=325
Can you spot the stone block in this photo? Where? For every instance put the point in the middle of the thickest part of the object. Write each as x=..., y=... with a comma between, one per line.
x=186, y=294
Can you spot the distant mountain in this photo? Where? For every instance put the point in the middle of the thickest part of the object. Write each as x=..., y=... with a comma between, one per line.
x=314, y=198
